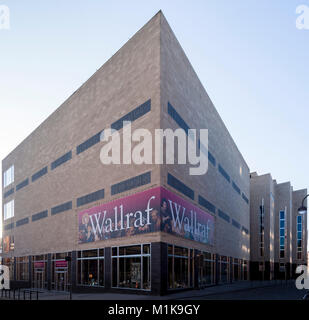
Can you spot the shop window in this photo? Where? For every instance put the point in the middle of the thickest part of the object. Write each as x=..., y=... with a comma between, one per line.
x=131, y=267
x=90, y=268
x=9, y=262
x=206, y=269
x=22, y=268
x=224, y=269
x=180, y=267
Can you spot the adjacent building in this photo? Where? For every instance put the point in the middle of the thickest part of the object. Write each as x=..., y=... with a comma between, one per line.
x=278, y=232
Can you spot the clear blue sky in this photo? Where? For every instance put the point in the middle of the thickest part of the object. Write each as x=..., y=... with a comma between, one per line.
x=249, y=55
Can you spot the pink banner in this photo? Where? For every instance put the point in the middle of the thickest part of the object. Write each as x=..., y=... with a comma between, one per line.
x=39, y=265
x=153, y=210
x=61, y=264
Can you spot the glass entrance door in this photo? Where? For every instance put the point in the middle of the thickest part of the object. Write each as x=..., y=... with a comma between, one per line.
x=61, y=281
x=39, y=280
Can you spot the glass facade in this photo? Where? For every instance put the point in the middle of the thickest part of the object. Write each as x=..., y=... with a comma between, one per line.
x=9, y=262
x=236, y=269
x=224, y=269
x=61, y=273
x=39, y=271
x=299, y=237
x=22, y=268
x=131, y=267
x=262, y=229
x=282, y=233
x=206, y=269
x=90, y=268
x=180, y=267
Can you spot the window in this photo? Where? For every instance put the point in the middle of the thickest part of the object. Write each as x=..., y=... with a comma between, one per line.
x=133, y=115
x=22, y=184
x=206, y=204
x=39, y=174
x=183, y=125
x=131, y=183
x=8, y=177
x=90, y=268
x=180, y=186
x=224, y=269
x=8, y=193
x=9, y=210
x=131, y=267
x=224, y=173
x=282, y=233
x=262, y=228
x=89, y=143
x=236, y=188
x=206, y=269
x=61, y=208
x=22, y=222
x=92, y=197
x=224, y=216
x=245, y=198
x=236, y=224
x=180, y=267
x=299, y=237
x=236, y=269
x=39, y=271
x=178, y=119
x=22, y=269
x=61, y=271
x=40, y=215
x=61, y=160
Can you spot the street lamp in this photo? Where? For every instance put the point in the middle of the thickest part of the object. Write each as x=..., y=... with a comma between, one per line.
x=303, y=209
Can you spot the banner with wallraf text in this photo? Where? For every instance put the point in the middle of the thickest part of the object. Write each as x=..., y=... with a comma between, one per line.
x=153, y=210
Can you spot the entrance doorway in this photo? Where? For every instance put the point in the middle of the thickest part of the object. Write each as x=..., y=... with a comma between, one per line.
x=39, y=279
x=61, y=280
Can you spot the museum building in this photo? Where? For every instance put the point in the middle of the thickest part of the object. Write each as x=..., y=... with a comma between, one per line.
x=71, y=221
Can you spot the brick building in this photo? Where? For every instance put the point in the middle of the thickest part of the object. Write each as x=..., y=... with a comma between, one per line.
x=57, y=193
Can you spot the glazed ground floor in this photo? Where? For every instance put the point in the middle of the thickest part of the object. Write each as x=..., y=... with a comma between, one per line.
x=151, y=268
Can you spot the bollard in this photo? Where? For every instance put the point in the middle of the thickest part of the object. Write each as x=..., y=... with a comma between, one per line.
x=24, y=295
x=37, y=294
x=30, y=293
x=14, y=294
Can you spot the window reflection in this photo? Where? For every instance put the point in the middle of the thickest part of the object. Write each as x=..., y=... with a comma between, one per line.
x=131, y=267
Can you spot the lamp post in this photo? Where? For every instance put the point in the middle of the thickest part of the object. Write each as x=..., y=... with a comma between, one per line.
x=303, y=209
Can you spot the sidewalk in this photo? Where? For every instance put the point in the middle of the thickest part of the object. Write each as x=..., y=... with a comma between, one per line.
x=183, y=295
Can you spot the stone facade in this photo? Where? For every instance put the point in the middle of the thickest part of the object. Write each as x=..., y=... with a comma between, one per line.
x=275, y=198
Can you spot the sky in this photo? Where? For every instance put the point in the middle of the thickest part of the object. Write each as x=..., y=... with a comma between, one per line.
x=249, y=55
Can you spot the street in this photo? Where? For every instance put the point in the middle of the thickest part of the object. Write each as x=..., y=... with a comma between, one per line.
x=266, y=293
